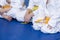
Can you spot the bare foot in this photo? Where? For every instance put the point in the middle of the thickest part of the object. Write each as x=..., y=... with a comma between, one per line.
x=28, y=17
x=9, y=18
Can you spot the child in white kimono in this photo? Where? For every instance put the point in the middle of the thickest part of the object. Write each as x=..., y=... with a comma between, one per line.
x=44, y=21
x=36, y=10
x=17, y=10
x=53, y=25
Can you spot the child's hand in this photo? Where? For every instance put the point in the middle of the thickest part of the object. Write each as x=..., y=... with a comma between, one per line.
x=7, y=9
x=3, y=11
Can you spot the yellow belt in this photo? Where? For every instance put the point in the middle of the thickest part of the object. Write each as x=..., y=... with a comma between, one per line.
x=46, y=20
x=6, y=6
x=35, y=8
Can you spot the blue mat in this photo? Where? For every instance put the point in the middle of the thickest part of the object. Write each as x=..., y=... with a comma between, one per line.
x=16, y=31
